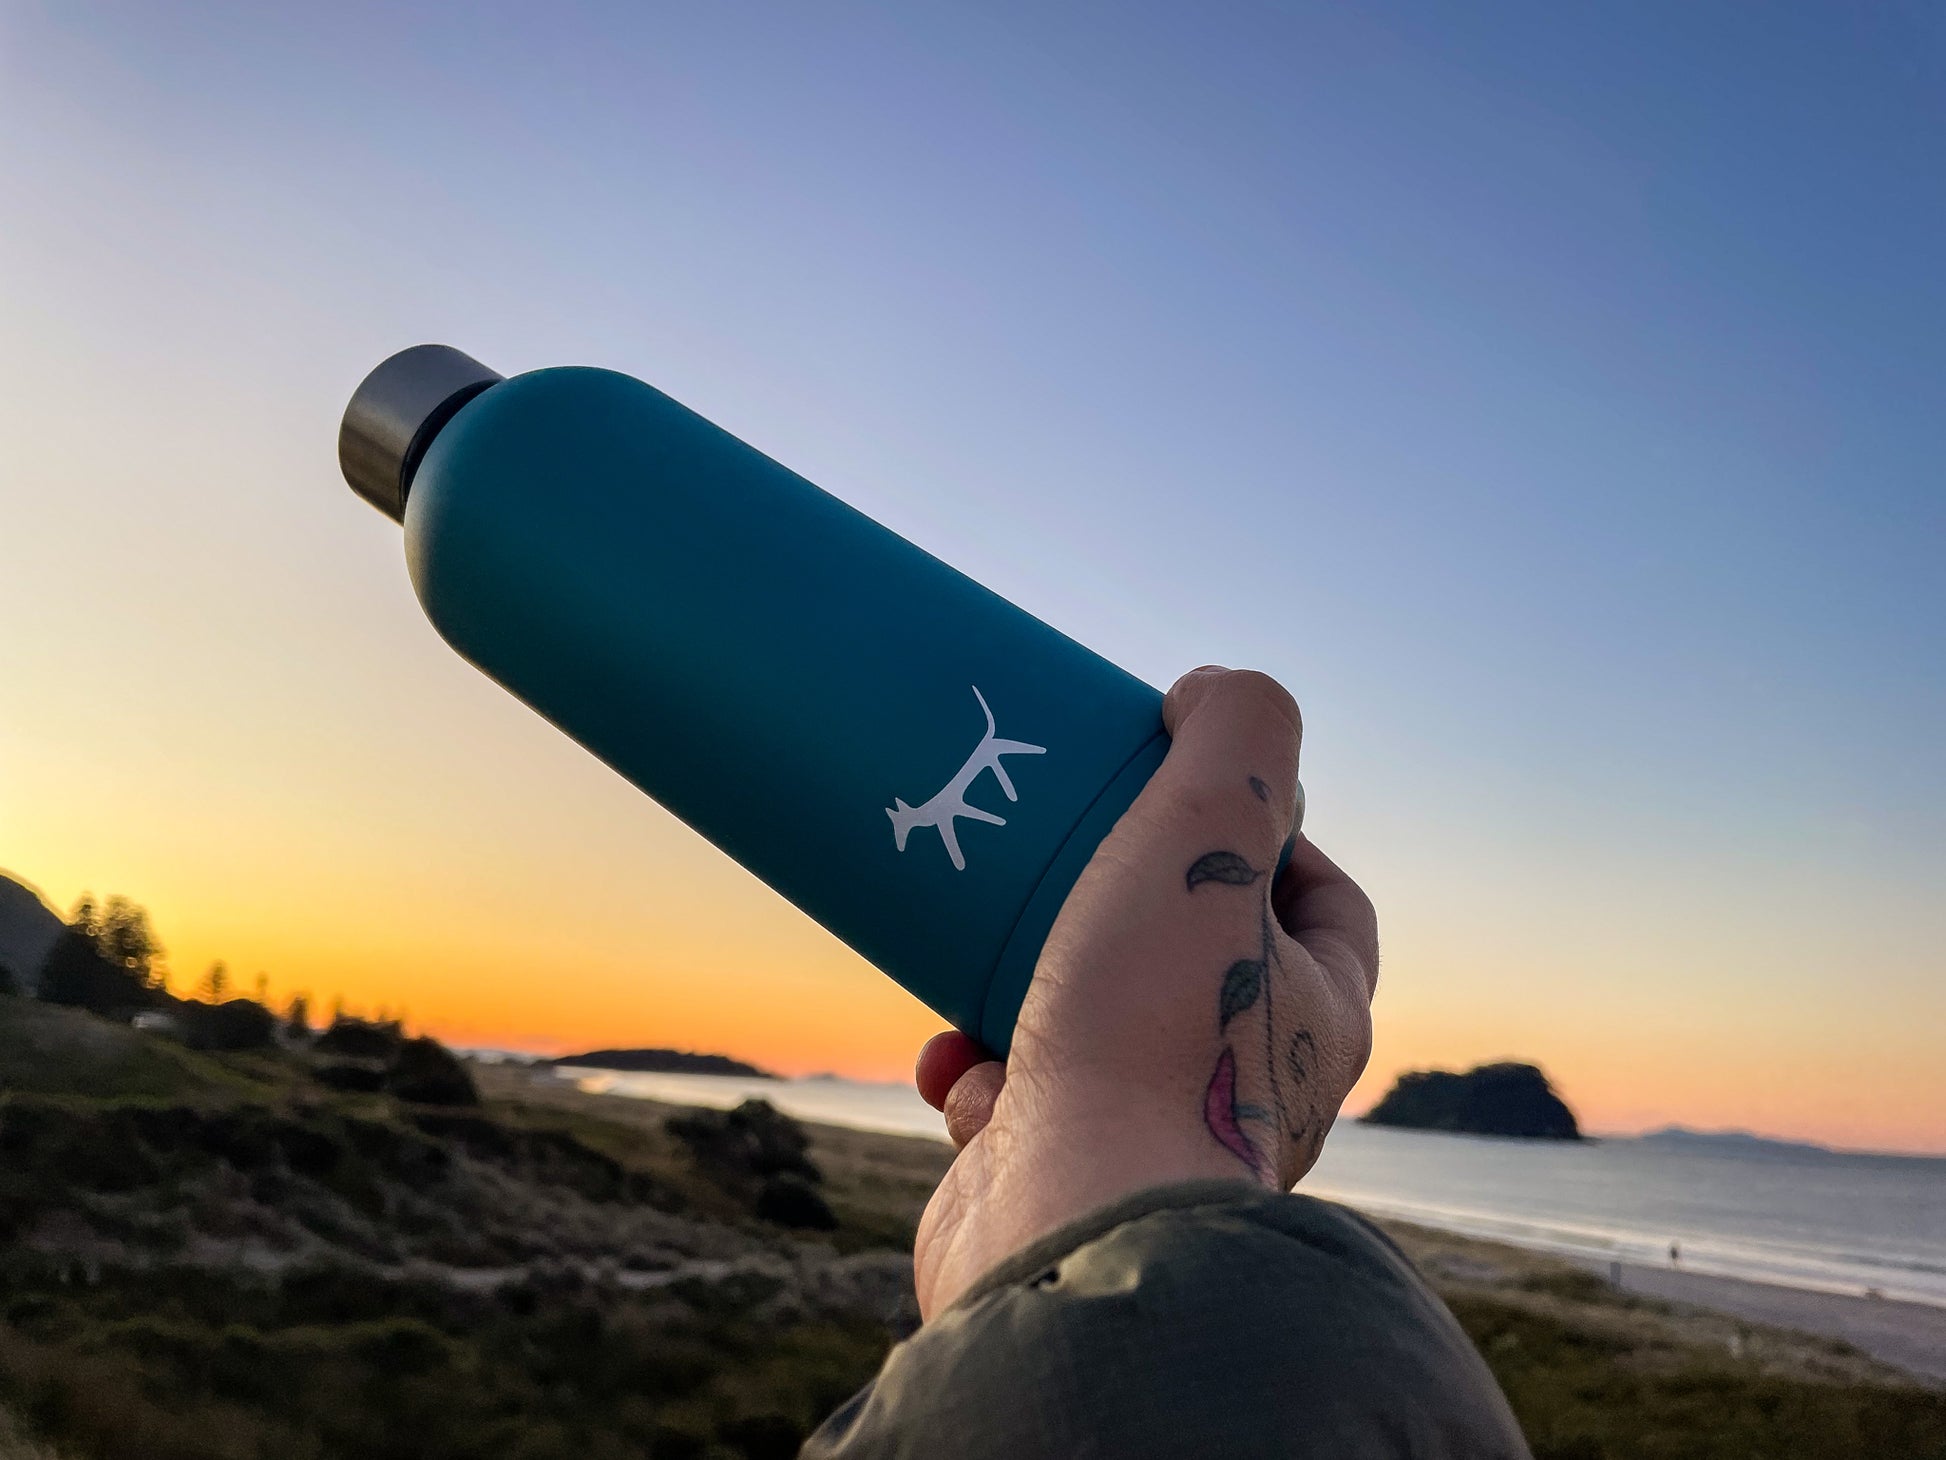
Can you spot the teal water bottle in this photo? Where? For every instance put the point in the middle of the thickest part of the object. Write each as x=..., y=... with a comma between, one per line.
x=913, y=761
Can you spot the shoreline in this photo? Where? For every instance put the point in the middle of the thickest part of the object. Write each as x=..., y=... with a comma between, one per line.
x=1832, y=1331
x=1595, y=1257
x=1828, y=1336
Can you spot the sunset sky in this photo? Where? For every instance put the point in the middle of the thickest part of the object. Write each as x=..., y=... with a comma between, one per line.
x=1553, y=396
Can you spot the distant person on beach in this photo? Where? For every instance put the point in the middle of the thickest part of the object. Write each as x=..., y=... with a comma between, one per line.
x=1115, y=1265
x=1675, y=1254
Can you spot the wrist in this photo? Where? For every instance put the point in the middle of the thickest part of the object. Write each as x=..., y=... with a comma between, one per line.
x=1019, y=1181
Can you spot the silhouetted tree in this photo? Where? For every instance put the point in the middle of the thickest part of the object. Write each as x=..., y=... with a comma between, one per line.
x=215, y=984
x=76, y=974
x=86, y=919
x=130, y=941
x=120, y=933
x=297, y=1016
x=263, y=989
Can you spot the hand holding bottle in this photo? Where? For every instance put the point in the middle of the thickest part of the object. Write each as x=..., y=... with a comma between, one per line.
x=1192, y=1015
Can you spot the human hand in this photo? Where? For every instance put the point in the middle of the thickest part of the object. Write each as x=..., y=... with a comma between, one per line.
x=1187, y=1017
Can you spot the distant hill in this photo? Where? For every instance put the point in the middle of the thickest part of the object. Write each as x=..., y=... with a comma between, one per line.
x=1741, y=1141
x=29, y=929
x=663, y=1062
x=1504, y=1099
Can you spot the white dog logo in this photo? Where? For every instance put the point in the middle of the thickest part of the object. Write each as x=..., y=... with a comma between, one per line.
x=951, y=803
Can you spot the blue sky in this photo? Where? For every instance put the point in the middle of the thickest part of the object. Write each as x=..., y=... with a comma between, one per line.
x=1553, y=396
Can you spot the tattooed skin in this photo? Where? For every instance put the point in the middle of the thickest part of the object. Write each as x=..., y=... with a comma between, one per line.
x=1225, y=1117
x=1252, y=1133
x=1299, y=1053
x=1226, y=867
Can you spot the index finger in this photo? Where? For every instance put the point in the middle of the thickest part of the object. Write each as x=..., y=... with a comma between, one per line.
x=1328, y=915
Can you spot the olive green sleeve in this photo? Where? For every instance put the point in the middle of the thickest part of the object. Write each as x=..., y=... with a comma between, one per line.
x=1206, y=1319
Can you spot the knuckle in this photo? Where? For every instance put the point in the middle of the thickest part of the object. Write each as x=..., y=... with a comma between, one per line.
x=1364, y=912
x=1358, y=1052
x=1253, y=691
x=1216, y=806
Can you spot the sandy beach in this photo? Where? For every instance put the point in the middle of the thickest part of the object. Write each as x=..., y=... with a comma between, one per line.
x=1908, y=1336
x=1826, y=1337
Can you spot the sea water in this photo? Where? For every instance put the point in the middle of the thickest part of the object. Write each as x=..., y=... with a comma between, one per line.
x=1826, y=1221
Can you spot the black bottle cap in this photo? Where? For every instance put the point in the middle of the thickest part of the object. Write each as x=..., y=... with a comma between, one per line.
x=396, y=412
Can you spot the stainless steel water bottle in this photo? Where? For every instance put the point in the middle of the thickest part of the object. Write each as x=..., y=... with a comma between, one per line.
x=916, y=763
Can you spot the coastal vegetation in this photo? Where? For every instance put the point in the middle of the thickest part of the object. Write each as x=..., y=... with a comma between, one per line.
x=226, y=1236
x=1504, y=1099
x=214, y=1256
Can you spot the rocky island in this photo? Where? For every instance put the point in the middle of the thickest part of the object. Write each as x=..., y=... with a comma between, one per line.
x=661, y=1062
x=1505, y=1099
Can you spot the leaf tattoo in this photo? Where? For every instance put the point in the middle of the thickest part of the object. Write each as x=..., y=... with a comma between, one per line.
x=1241, y=986
x=1224, y=867
x=1246, y=983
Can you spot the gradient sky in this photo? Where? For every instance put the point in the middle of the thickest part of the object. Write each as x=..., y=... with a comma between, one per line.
x=1553, y=396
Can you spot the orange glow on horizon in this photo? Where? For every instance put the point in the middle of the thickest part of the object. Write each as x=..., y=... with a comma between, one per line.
x=817, y=1008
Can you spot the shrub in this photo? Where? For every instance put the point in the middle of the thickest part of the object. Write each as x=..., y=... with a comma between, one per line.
x=426, y=1073
x=358, y=1039
x=791, y=1201
x=235, y=1025
x=754, y=1140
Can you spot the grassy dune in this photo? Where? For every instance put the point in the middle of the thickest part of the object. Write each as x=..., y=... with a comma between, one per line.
x=222, y=1259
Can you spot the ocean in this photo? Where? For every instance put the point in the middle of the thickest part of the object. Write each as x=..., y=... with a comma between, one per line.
x=1828, y=1222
